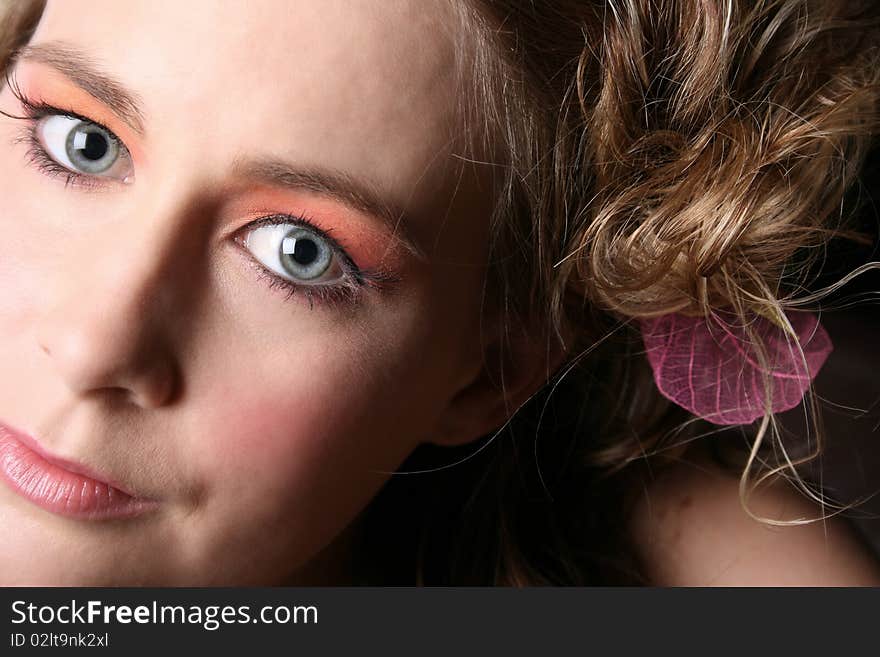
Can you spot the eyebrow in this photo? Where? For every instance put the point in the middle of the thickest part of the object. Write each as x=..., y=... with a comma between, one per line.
x=337, y=185
x=85, y=73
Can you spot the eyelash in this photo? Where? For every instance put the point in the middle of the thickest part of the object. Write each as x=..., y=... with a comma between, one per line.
x=36, y=155
x=346, y=292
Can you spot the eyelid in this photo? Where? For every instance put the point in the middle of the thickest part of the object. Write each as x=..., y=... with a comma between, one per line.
x=367, y=242
x=348, y=285
x=38, y=111
x=351, y=274
x=46, y=85
x=40, y=139
x=348, y=264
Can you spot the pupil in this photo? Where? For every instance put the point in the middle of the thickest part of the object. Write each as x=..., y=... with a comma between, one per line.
x=95, y=147
x=305, y=251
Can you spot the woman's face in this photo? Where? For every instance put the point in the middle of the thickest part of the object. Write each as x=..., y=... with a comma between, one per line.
x=146, y=334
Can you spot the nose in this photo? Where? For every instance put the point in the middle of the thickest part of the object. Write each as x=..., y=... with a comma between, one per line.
x=106, y=328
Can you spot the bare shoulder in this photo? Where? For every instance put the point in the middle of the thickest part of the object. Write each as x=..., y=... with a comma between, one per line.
x=689, y=529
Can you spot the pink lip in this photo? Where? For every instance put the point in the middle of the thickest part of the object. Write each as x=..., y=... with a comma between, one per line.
x=62, y=486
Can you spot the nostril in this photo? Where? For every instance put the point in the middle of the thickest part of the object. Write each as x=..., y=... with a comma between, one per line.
x=154, y=385
x=146, y=380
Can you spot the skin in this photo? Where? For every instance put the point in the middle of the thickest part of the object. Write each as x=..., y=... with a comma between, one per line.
x=690, y=529
x=137, y=338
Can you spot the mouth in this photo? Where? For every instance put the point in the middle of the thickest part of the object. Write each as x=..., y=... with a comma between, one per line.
x=60, y=486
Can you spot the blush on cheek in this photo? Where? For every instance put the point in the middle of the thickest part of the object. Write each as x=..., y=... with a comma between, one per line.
x=277, y=440
x=257, y=437
x=289, y=440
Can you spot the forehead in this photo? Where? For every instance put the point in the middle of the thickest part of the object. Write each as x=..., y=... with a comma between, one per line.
x=362, y=86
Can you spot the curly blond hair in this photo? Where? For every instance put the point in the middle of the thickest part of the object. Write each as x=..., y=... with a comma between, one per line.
x=650, y=157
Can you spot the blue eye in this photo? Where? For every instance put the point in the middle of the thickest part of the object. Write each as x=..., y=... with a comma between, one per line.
x=295, y=252
x=83, y=147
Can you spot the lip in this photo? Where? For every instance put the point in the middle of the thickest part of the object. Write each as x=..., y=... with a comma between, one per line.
x=63, y=487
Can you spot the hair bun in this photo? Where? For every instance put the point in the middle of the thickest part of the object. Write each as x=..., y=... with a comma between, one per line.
x=718, y=156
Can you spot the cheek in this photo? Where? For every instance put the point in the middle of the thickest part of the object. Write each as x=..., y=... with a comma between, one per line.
x=331, y=397
x=271, y=434
x=298, y=456
x=23, y=263
x=41, y=241
x=284, y=429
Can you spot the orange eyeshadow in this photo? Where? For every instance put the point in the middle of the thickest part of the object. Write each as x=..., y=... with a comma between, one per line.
x=369, y=242
x=41, y=83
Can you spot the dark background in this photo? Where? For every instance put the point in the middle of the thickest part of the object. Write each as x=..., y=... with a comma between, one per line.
x=849, y=382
